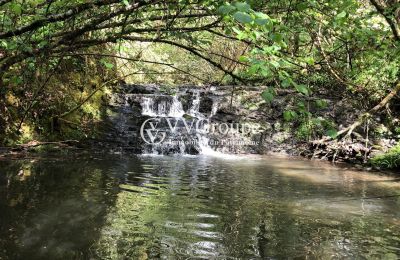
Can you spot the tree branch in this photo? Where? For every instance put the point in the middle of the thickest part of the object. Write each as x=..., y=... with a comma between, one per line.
x=381, y=10
x=56, y=18
x=67, y=37
x=187, y=48
x=111, y=56
x=348, y=130
x=132, y=59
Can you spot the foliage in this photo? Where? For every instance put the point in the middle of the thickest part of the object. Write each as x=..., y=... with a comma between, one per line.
x=306, y=46
x=350, y=43
x=312, y=128
x=56, y=56
x=389, y=160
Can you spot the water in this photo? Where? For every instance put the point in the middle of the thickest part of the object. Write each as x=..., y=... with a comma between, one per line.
x=147, y=107
x=179, y=207
x=170, y=106
x=182, y=142
x=194, y=110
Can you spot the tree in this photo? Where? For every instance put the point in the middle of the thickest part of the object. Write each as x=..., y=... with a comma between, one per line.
x=38, y=32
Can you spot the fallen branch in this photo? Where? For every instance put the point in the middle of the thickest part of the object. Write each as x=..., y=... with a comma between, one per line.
x=348, y=130
x=32, y=144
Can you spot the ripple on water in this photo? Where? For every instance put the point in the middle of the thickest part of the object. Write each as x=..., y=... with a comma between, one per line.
x=205, y=207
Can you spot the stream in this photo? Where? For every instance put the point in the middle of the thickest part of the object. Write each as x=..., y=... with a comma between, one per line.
x=210, y=207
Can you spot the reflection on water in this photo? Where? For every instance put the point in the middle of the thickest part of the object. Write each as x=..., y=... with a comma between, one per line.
x=176, y=207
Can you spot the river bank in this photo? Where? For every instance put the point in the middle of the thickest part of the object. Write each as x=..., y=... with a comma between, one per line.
x=255, y=126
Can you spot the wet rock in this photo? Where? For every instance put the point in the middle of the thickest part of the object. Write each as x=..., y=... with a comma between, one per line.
x=246, y=106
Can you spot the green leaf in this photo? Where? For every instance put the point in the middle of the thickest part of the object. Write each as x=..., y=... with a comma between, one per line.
x=42, y=44
x=277, y=37
x=309, y=60
x=301, y=105
x=261, y=21
x=27, y=48
x=243, y=7
x=303, y=89
x=243, y=59
x=332, y=133
x=267, y=95
x=107, y=64
x=3, y=44
x=242, y=17
x=126, y=3
x=16, y=80
x=225, y=9
x=286, y=83
x=265, y=72
x=262, y=15
x=289, y=115
x=341, y=15
x=275, y=64
x=16, y=8
x=321, y=103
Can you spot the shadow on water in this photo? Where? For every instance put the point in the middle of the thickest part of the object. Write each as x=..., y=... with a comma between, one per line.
x=120, y=207
x=52, y=209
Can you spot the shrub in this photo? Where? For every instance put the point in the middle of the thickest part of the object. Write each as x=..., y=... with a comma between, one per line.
x=389, y=160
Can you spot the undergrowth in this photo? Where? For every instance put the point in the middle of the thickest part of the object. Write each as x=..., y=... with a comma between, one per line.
x=389, y=160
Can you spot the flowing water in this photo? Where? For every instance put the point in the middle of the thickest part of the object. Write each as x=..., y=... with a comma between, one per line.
x=179, y=207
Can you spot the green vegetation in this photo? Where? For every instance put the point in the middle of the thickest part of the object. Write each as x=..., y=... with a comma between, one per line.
x=59, y=58
x=389, y=160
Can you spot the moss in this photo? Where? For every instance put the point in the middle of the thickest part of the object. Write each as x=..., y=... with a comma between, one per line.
x=389, y=160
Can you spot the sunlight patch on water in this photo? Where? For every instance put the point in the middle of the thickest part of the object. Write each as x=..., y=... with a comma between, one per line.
x=340, y=209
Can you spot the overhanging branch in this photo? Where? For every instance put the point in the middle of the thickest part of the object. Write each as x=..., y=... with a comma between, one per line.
x=187, y=48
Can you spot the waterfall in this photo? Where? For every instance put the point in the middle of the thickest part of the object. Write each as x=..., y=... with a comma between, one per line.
x=147, y=107
x=194, y=110
x=163, y=107
x=190, y=122
x=214, y=108
x=179, y=141
x=176, y=109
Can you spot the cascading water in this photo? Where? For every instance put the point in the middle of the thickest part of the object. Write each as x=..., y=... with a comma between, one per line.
x=143, y=120
x=176, y=109
x=194, y=110
x=163, y=108
x=182, y=139
x=147, y=107
x=214, y=108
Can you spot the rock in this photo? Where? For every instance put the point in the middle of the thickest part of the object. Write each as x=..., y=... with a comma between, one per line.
x=124, y=118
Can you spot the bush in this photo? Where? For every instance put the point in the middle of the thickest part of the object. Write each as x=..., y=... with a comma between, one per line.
x=389, y=160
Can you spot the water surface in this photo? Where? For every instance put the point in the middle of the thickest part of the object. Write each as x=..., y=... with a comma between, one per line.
x=126, y=207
